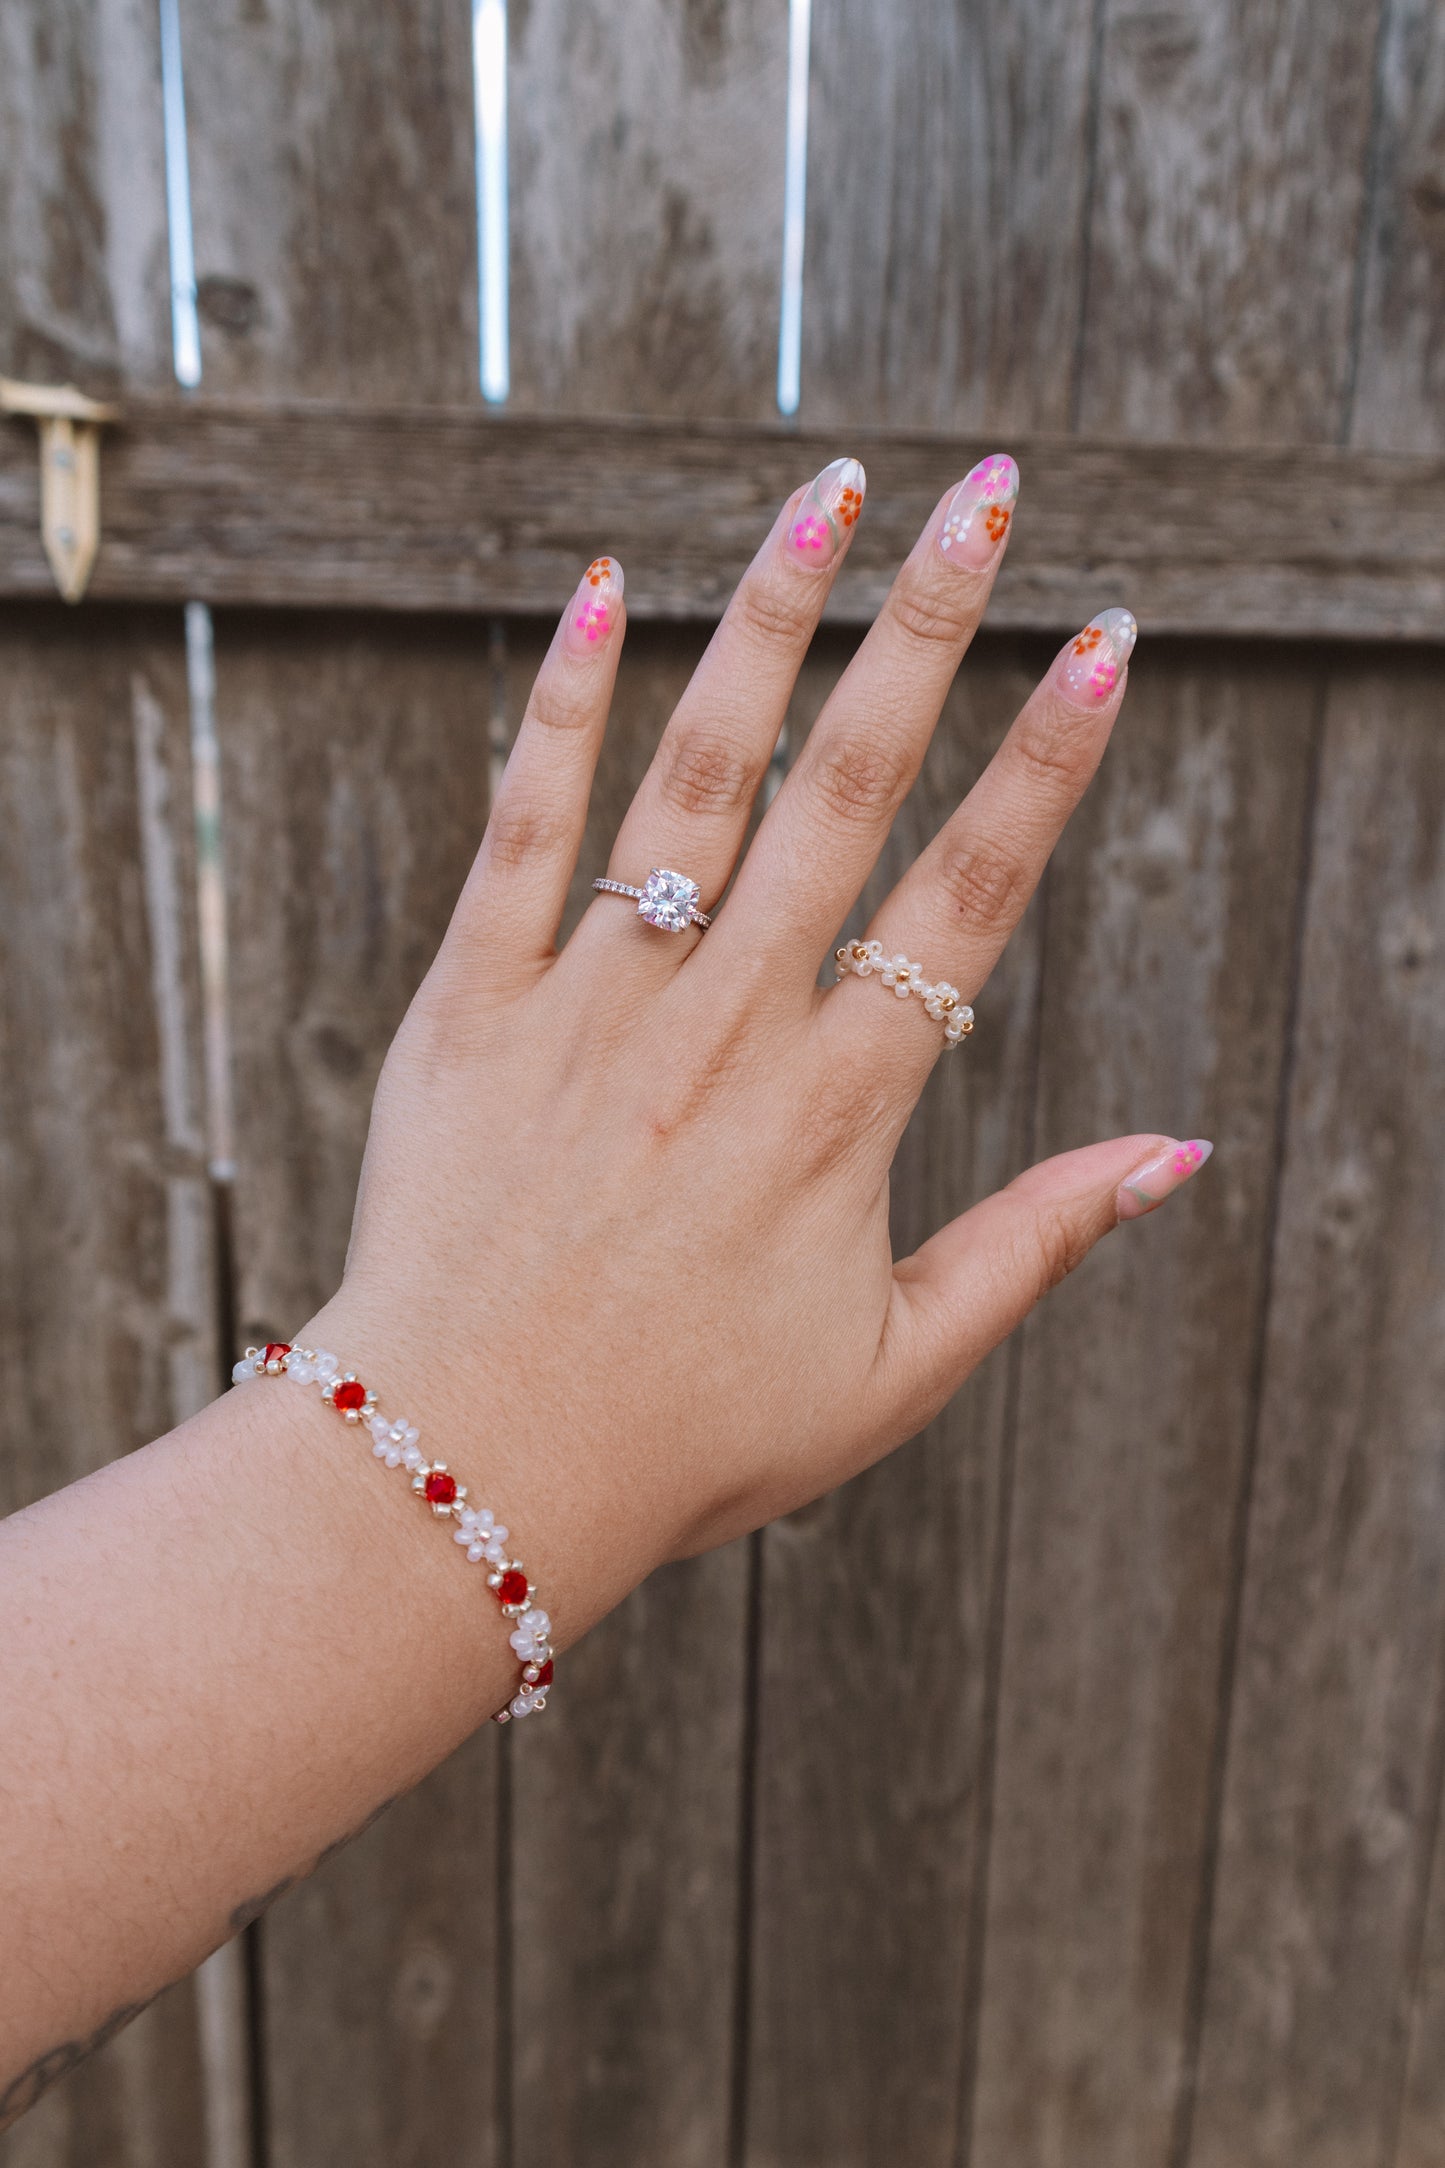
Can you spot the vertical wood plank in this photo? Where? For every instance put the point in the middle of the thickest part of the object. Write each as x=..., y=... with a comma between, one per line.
x=84, y=286
x=107, y=1328
x=646, y=157
x=877, y=1603
x=332, y=183
x=1334, y=1763
x=354, y=785
x=1166, y=989
x=1399, y=402
x=1228, y=192
x=947, y=187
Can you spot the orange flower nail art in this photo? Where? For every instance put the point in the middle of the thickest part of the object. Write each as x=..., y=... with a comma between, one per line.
x=979, y=513
x=828, y=512
x=1091, y=664
x=592, y=611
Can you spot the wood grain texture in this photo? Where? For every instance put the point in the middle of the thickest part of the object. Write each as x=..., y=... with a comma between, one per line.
x=107, y=1324
x=1399, y=398
x=332, y=165
x=646, y=188
x=354, y=787
x=1333, y=1775
x=627, y=1803
x=1228, y=191
x=1166, y=985
x=400, y=510
x=876, y=1627
x=84, y=286
x=947, y=188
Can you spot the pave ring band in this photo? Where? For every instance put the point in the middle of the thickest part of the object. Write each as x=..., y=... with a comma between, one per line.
x=666, y=899
x=943, y=1002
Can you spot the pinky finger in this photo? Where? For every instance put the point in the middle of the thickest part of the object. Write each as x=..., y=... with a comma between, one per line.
x=517, y=888
x=976, y=1279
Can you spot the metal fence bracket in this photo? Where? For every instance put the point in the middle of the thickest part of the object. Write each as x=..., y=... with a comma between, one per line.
x=69, y=426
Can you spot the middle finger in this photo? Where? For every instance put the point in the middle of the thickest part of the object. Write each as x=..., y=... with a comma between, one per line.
x=823, y=831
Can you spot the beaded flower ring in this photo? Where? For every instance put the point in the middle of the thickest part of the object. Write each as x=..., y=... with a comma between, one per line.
x=478, y=1530
x=942, y=1002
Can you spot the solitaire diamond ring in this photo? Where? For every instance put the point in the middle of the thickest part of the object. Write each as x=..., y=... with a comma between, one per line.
x=666, y=899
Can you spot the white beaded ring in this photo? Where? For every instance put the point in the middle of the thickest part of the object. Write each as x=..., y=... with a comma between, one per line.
x=942, y=1002
x=477, y=1530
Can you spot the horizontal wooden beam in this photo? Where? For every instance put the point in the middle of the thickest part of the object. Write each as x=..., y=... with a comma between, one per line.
x=457, y=509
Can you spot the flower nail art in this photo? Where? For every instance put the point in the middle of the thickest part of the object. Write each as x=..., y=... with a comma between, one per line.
x=1091, y=665
x=1148, y=1186
x=592, y=611
x=828, y=513
x=979, y=513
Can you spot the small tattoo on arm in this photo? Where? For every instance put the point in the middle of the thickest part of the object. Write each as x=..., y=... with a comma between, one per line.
x=22, y=2092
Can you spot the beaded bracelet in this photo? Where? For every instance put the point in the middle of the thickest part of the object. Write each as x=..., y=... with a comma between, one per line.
x=478, y=1530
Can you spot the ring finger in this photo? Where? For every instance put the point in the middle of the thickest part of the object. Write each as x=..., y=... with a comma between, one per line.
x=951, y=915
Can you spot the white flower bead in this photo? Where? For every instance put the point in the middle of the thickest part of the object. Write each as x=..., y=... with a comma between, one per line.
x=242, y=1370
x=379, y=1426
x=539, y=1622
x=478, y=1521
x=392, y=1454
x=496, y=1551
x=413, y=1457
x=326, y=1366
x=299, y=1371
x=475, y=1551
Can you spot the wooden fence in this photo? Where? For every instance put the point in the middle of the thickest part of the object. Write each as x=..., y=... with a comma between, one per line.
x=1120, y=1841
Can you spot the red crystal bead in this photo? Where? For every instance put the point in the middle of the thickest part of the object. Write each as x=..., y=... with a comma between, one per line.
x=544, y=1676
x=350, y=1395
x=513, y=1587
x=439, y=1489
x=275, y=1349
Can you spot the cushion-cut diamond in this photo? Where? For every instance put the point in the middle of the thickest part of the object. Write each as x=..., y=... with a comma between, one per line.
x=667, y=900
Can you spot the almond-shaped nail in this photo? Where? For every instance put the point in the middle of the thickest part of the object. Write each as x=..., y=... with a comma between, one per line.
x=592, y=612
x=979, y=512
x=1159, y=1177
x=1093, y=662
x=828, y=512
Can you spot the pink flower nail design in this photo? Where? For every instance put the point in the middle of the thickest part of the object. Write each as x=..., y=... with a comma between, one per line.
x=828, y=513
x=1091, y=664
x=592, y=610
x=979, y=513
x=1148, y=1186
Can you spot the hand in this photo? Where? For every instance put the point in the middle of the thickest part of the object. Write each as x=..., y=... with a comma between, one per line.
x=621, y=1243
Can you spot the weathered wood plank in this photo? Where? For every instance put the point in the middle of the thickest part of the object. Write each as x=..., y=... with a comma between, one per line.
x=354, y=786
x=947, y=186
x=1334, y=1753
x=107, y=1325
x=877, y=1602
x=1399, y=400
x=1170, y=919
x=332, y=183
x=646, y=157
x=84, y=288
x=1229, y=179
x=389, y=509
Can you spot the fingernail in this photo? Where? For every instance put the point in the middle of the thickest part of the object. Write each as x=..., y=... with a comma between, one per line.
x=1160, y=1176
x=592, y=612
x=828, y=513
x=1091, y=665
x=979, y=512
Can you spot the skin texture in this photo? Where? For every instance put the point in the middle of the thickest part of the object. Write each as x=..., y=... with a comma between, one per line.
x=620, y=1249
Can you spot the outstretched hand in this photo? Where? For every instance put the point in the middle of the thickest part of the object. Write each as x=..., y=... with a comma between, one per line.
x=622, y=1231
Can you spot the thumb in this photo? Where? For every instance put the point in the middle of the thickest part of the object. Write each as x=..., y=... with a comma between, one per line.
x=977, y=1278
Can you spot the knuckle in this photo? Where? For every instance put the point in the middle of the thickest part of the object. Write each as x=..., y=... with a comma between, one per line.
x=984, y=883
x=859, y=779
x=557, y=709
x=1051, y=753
x=706, y=772
x=518, y=833
x=932, y=620
x=774, y=609
x=1059, y=1244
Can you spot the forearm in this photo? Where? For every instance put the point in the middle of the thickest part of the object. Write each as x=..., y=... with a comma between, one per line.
x=223, y=1655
